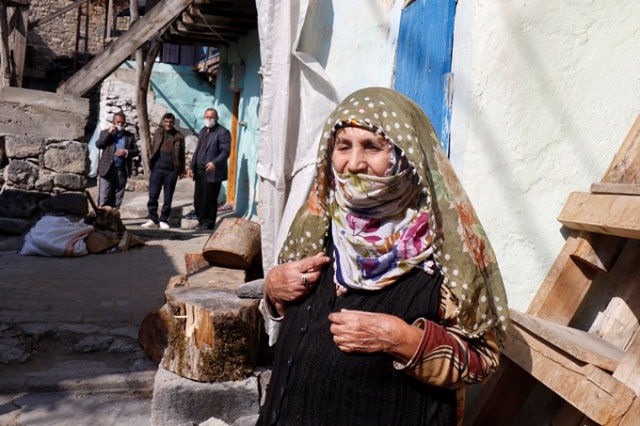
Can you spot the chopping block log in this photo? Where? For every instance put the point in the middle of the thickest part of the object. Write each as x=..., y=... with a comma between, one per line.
x=213, y=335
x=235, y=244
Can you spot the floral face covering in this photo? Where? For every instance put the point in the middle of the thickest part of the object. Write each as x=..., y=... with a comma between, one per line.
x=400, y=233
x=377, y=232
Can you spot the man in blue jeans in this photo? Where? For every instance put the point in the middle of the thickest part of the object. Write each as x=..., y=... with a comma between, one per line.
x=167, y=165
x=208, y=169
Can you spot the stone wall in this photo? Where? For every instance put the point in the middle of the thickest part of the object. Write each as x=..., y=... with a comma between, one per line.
x=52, y=45
x=45, y=157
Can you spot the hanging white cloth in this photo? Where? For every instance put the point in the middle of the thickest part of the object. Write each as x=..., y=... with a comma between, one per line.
x=297, y=96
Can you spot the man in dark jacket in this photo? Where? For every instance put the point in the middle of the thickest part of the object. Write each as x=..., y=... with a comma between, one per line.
x=209, y=168
x=167, y=164
x=118, y=148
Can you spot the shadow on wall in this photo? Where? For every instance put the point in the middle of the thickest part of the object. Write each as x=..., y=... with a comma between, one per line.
x=45, y=69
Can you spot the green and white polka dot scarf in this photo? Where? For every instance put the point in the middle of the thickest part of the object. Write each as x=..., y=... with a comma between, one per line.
x=461, y=248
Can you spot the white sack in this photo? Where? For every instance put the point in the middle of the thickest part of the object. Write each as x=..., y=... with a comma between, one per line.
x=56, y=236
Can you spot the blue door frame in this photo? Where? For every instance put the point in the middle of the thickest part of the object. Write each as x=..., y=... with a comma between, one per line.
x=423, y=60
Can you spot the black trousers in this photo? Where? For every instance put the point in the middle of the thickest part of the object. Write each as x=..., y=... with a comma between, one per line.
x=205, y=199
x=164, y=180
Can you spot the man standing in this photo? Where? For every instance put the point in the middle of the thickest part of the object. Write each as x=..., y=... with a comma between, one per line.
x=209, y=168
x=118, y=148
x=166, y=162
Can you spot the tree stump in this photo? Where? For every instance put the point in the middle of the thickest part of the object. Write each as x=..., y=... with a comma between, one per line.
x=235, y=244
x=213, y=335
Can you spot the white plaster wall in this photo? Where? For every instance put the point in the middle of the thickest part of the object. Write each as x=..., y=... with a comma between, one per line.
x=354, y=41
x=544, y=94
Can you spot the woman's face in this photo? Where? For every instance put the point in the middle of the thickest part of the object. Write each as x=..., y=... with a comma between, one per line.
x=358, y=150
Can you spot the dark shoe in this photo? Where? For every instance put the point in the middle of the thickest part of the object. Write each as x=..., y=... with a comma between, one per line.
x=203, y=227
x=191, y=215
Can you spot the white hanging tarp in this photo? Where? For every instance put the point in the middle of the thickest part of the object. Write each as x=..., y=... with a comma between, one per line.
x=296, y=98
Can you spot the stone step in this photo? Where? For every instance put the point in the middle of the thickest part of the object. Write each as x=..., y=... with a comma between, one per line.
x=177, y=400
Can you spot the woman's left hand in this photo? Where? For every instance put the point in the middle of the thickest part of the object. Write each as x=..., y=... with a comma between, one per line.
x=358, y=331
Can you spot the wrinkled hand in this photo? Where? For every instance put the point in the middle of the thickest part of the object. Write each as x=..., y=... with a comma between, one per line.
x=358, y=331
x=283, y=283
x=210, y=167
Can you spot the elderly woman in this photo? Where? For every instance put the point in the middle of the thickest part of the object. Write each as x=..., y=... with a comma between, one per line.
x=387, y=299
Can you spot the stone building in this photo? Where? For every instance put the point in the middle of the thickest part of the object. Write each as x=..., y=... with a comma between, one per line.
x=58, y=46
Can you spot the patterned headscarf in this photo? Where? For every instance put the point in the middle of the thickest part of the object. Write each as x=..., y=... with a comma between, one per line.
x=449, y=231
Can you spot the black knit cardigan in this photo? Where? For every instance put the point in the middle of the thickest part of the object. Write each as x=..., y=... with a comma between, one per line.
x=314, y=383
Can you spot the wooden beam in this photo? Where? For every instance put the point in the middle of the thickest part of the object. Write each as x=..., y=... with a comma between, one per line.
x=564, y=287
x=57, y=13
x=5, y=57
x=631, y=417
x=625, y=166
x=597, y=394
x=616, y=188
x=602, y=213
x=141, y=107
x=233, y=156
x=109, y=59
x=617, y=324
x=247, y=22
x=586, y=347
x=214, y=33
x=598, y=251
x=18, y=19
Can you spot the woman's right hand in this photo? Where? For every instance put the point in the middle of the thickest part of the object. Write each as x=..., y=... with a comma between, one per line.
x=284, y=282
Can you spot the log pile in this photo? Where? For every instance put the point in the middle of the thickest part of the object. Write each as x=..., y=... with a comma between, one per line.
x=205, y=332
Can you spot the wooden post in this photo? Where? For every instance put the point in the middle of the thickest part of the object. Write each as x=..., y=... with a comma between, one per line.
x=141, y=104
x=233, y=157
x=77, y=46
x=5, y=58
x=18, y=23
x=141, y=101
x=133, y=10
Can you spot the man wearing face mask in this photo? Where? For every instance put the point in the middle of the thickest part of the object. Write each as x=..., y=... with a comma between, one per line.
x=209, y=168
x=118, y=148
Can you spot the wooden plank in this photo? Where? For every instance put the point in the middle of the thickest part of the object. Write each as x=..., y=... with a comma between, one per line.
x=18, y=24
x=602, y=213
x=617, y=324
x=598, y=251
x=597, y=394
x=57, y=13
x=5, y=62
x=583, y=346
x=631, y=417
x=194, y=17
x=233, y=156
x=615, y=188
x=564, y=287
x=625, y=166
x=629, y=370
x=109, y=59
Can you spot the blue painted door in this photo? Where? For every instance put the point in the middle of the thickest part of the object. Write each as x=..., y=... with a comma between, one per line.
x=423, y=61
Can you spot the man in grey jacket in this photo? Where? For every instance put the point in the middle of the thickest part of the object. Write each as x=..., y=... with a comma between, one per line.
x=209, y=169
